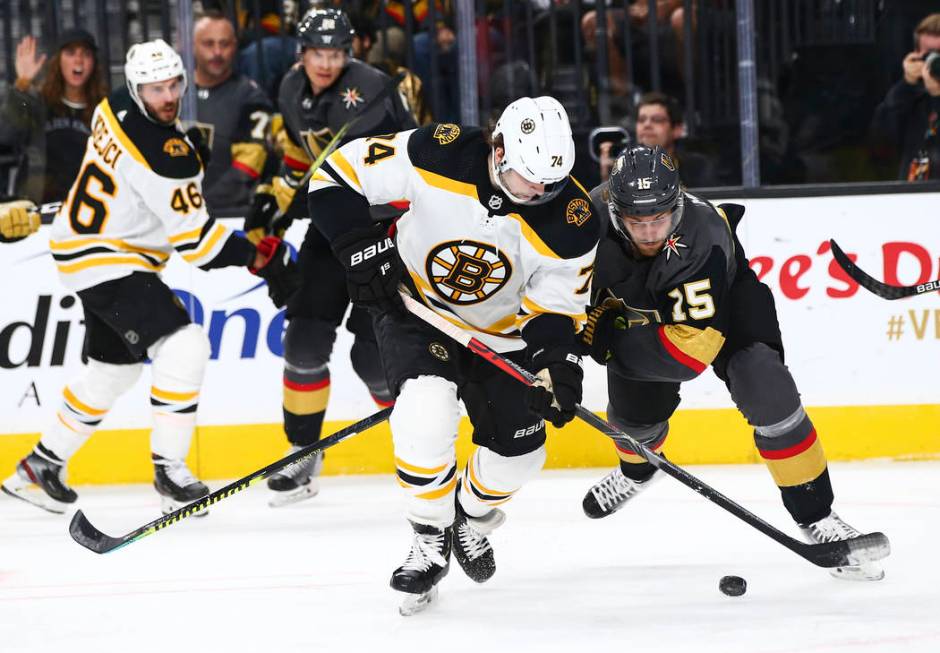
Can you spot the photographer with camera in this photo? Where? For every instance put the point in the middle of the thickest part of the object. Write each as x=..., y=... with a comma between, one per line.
x=908, y=116
x=659, y=122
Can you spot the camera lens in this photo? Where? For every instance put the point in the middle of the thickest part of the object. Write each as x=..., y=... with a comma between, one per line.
x=932, y=61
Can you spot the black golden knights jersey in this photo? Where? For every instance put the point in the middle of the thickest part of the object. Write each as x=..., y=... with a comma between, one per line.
x=677, y=302
x=136, y=200
x=310, y=121
x=480, y=261
x=234, y=117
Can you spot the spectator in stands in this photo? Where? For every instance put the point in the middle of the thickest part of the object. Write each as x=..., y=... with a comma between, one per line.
x=670, y=17
x=233, y=115
x=659, y=122
x=52, y=118
x=363, y=45
x=908, y=116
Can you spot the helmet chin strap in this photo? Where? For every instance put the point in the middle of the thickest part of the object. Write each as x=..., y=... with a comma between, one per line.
x=496, y=177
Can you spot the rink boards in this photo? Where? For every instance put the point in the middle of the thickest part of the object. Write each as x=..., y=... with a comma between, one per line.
x=866, y=367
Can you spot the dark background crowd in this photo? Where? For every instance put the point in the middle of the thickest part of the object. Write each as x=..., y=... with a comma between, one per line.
x=846, y=90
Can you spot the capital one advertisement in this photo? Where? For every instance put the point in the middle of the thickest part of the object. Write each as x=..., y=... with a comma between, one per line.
x=845, y=346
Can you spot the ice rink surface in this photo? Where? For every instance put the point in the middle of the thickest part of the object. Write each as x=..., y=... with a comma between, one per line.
x=314, y=576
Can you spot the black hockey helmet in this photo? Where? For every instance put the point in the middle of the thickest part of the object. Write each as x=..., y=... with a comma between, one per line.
x=325, y=28
x=644, y=181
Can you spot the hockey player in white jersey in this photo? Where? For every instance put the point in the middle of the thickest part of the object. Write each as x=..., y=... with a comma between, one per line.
x=499, y=240
x=136, y=199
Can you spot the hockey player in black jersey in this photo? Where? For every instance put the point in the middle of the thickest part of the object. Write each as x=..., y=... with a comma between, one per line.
x=500, y=241
x=324, y=91
x=674, y=294
x=137, y=199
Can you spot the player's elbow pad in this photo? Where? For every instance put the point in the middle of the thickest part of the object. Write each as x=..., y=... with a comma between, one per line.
x=336, y=211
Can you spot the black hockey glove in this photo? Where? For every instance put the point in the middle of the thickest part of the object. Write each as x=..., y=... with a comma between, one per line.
x=258, y=222
x=558, y=391
x=373, y=269
x=603, y=323
x=198, y=139
x=277, y=269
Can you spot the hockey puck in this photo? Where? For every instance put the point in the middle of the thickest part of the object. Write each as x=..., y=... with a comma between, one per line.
x=732, y=585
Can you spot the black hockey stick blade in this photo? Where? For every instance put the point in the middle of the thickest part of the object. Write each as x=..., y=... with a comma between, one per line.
x=844, y=553
x=871, y=284
x=86, y=534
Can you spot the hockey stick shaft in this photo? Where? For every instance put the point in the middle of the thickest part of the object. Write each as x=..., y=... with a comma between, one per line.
x=83, y=532
x=871, y=284
x=831, y=554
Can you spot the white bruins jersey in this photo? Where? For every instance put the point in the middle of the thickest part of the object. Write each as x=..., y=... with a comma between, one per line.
x=483, y=263
x=137, y=197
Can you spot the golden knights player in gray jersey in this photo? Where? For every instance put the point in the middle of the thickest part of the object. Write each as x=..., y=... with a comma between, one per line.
x=137, y=200
x=317, y=97
x=500, y=241
x=674, y=294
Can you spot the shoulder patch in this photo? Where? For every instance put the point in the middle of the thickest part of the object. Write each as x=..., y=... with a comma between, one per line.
x=175, y=147
x=163, y=146
x=578, y=211
x=446, y=133
x=569, y=225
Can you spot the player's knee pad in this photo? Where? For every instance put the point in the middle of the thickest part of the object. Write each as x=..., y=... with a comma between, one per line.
x=490, y=479
x=424, y=430
x=652, y=435
x=761, y=385
x=308, y=343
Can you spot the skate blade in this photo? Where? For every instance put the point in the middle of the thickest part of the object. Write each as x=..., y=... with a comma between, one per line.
x=168, y=505
x=281, y=499
x=867, y=572
x=415, y=603
x=41, y=500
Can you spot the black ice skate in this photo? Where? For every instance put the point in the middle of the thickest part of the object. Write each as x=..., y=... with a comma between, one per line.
x=833, y=529
x=43, y=469
x=609, y=495
x=427, y=563
x=176, y=485
x=297, y=481
x=472, y=548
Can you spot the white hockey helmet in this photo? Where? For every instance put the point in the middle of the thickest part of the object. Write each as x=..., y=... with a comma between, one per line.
x=152, y=61
x=537, y=144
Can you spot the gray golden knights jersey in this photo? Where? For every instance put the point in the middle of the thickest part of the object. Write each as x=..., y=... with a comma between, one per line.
x=478, y=260
x=234, y=118
x=136, y=199
x=310, y=121
x=677, y=301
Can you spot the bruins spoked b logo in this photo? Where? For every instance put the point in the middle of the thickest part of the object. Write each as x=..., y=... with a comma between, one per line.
x=467, y=271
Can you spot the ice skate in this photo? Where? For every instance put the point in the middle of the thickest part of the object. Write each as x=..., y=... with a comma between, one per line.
x=297, y=481
x=46, y=472
x=609, y=495
x=427, y=563
x=472, y=548
x=832, y=529
x=176, y=485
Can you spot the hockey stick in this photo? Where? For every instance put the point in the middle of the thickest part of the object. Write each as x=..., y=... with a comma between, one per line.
x=843, y=553
x=877, y=287
x=91, y=538
x=338, y=137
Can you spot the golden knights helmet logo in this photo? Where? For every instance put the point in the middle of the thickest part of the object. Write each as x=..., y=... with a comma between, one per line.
x=466, y=271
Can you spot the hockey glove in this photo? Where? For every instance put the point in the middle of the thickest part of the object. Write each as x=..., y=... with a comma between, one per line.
x=198, y=139
x=274, y=265
x=373, y=269
x=18, y=219
x=557, y=392
x=603, y=323
x=258, y=222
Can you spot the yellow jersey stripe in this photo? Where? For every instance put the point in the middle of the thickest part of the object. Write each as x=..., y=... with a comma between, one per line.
x=339, y=161
x=115, y=128
x=78, y=266
x=440, y=492
x=119, y=245
x=217, y=232
x=192, y=234
x=533, y=238
x=414, y=469
x=167, y=395
x=448, y=184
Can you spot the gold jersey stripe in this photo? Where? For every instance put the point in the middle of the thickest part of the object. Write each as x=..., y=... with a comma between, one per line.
x=115, y=128
x=532, y=237
x=71, y=268
x=342, y=164
x=167, y=395
x=414, y=469
x=701, y=344
x=186, y=236
x=440, y=492
x=211, y=239
x=119, y=245
x=448, y=184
